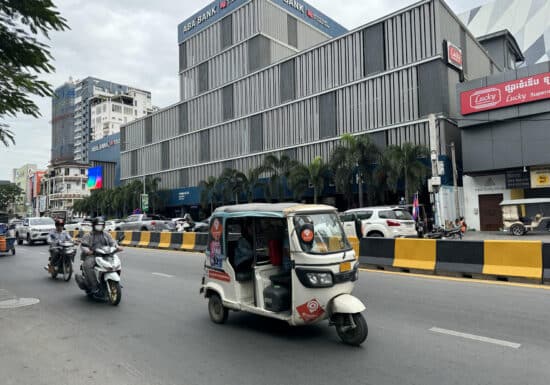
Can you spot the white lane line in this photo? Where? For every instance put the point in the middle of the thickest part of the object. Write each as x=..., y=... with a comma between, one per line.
x=494, y=341
x=163, y=275
x=43, y=253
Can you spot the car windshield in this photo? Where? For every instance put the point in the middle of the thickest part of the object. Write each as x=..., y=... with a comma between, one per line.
x=328, y=234
x=41, y=221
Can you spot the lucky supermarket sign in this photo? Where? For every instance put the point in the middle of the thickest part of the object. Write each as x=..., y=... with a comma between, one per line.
x=520, y=91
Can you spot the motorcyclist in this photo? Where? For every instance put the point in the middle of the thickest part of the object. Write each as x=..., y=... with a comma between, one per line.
x=54, y=238
x=96, y=239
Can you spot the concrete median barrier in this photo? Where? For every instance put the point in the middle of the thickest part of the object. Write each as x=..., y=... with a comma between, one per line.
x=165, y=239
x=188, y=243
x=377, y=251
x=513, y=259
x=201, y=241
x=465, y=257
x=418, y=254
x=144, y=239
x=354, y=242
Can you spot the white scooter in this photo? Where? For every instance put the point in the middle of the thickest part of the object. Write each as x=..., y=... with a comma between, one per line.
x=107, y=272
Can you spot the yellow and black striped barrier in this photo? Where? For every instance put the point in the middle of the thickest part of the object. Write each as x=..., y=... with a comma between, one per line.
x=498, y=259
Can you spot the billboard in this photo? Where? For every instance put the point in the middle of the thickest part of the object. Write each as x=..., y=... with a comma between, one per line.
x=524, y=90
x=95, y=178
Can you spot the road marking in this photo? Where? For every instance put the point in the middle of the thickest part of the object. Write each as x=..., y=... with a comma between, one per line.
x=456, y=279
x=43, y=253
x=163, y=275
x=18, y=302
x=494, y=341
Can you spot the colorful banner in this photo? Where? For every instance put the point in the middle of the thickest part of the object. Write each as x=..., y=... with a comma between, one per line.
x=520, y=91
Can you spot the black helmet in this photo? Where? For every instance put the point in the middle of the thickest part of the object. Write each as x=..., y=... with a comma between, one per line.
x=98, y=221
x=59, y=222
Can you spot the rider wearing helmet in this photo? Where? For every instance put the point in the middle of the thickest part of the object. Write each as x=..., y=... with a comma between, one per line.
x=54, y=238
x=94, y=240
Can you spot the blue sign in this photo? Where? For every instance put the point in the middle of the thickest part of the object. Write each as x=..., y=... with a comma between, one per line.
x=187, y=196
x=219, y=9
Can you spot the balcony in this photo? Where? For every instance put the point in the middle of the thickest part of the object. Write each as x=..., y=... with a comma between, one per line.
x=64, y=196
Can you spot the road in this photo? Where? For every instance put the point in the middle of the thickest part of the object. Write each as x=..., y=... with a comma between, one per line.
x=161, y=333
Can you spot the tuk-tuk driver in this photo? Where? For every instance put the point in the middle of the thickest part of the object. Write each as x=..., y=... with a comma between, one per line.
x=244, y=251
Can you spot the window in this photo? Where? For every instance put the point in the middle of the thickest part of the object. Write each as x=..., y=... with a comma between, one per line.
x=67, y=171
x=346, y=217
x=403, y=215
x=387, y=214
x=292, y=28
x=327, y=115
x=117, y=108
x=83, y=186
x=183, y=56
x=68, y=186
x=227, y=95
x=287, y=81
x=203, y=77
x=226, y=32
x=364, y=215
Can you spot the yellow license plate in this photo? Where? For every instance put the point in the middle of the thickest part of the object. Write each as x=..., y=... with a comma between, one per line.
x=345, y=266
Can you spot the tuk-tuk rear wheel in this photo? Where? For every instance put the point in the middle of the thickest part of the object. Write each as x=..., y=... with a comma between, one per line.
x=218, y=313
x=517, y=230
x=353, y=336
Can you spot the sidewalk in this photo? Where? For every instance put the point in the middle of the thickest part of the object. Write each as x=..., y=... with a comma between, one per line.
x=498, y=235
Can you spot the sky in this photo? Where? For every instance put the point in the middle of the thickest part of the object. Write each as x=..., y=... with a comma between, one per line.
x=134, y=42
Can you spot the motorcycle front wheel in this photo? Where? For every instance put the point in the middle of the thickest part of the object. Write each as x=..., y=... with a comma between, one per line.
x=115, y=293
x=67, y=270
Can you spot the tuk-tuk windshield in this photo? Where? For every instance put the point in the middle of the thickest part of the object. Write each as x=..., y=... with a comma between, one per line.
x=328, y=234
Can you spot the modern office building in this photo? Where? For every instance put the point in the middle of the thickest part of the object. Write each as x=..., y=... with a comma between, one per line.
x=505, y=140
x=276, y=76
x=527, y=21
x=89, y=109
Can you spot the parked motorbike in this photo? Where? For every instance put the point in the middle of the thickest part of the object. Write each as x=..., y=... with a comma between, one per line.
x=62, y=263
x=107, y=272
x=442, y=233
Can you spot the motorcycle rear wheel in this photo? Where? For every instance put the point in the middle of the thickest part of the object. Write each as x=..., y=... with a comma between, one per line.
x=67, y=270
x=115, y=292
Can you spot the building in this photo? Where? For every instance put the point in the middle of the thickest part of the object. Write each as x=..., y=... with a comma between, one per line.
x=35, y=184
x=527, y=20
x=89, y=109
x=394, y=78
x=105, y=153
x=63, y=184
x=21, y=179
x=505, y=141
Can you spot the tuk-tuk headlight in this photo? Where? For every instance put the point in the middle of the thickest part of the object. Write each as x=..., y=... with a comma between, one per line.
x=314, y=278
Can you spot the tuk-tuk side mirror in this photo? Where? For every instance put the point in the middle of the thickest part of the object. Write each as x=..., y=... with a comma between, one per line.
x=306, y=233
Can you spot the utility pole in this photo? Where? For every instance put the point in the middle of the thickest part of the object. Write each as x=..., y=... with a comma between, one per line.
x=455, y=179
x=434, y=156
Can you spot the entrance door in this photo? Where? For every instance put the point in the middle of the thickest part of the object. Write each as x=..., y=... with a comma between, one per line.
x=490, y=214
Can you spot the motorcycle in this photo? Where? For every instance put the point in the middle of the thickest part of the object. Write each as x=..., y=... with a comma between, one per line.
x=62, y=263
x=441, y=233
x=107, y=272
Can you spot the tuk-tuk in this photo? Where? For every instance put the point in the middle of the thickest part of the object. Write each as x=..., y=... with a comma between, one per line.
x=521, y=216
x=7, y=239
x=286, y=261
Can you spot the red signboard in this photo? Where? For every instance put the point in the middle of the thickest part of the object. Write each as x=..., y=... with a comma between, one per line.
x=454, y=55
x=520, y=91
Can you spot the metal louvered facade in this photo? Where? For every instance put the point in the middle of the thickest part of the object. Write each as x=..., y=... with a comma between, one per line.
x=272, y=92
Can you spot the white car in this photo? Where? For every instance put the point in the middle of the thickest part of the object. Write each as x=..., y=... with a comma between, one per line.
x=78, y=225
x=386, y=222
x=34, y=229
x=111, y=225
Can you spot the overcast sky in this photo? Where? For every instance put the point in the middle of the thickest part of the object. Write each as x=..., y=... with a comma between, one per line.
x=134, y=42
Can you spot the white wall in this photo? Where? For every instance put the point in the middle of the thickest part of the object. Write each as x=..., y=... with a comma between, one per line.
x=481, y=185
x=447, y=203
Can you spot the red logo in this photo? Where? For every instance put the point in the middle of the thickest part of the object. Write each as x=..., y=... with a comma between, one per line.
x=310, y=14
x=455, y=55
x=307, y=235
x=485, y=98
x=223, y=4
x=311, y=310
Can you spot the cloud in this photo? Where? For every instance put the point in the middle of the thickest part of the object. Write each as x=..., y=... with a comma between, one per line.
x=134, y=42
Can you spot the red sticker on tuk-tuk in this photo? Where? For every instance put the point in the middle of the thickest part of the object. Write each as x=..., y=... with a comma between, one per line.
x=219, y=275
x=311, y=310
x=307, y=235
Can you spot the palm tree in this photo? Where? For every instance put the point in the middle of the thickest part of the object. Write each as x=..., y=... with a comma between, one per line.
x=152, y=188
x=208, y=192
x=301, y=177
x=232, y=183
x=6, y=135
x=343, y=171
x=404, y=163
x=279, y=170
x=251, y=181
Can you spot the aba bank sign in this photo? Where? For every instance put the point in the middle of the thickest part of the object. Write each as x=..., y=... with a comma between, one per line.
x=206, y=15
x=506, y=94
x=305, y=11
x=104, y=145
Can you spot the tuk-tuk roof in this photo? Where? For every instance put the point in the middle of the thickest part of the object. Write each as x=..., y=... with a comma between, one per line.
x=531, y=201
x=270, y=209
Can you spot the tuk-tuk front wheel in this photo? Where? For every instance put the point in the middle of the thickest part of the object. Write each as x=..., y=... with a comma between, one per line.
x=517, y=230
x=352, y=333
x=218, y=313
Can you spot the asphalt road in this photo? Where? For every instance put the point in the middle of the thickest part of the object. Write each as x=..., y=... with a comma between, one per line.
x=161, y=333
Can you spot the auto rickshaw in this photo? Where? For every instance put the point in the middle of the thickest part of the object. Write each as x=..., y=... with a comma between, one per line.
x=286, y=261
x=522, y=216
x=7, y=239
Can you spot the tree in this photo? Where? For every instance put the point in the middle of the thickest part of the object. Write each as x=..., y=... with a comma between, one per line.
x=209, y=192
x=9, y=194
x=232, y=184
x=251, y=182
x=24, y=57
x=405, y=163
x=343, y=171
x=301, y=177
x=152, y=189
x=279, y=170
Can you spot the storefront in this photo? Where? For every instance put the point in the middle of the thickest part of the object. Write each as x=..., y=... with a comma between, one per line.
x=505, y=121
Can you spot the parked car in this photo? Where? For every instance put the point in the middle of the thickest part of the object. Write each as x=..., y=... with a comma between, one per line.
x=387, y=222
x=78, y=224
x=34, y=229
x=146, y=222
x=202, y=226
